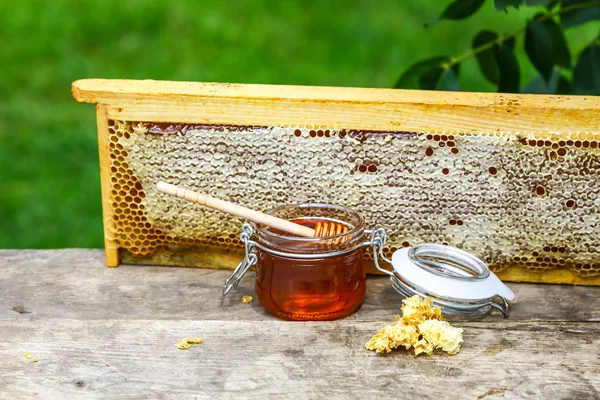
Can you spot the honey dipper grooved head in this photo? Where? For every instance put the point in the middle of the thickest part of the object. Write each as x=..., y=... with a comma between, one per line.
x=324, y=229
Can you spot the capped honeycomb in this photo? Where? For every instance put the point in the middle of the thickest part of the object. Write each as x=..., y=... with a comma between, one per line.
x=509, y=198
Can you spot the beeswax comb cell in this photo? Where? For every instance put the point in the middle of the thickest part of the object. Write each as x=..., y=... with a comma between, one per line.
x=513, y=179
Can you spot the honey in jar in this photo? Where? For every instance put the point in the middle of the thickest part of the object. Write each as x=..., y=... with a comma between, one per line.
x=311, y=279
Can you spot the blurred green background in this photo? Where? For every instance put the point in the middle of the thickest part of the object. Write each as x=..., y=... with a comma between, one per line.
x=49, y=178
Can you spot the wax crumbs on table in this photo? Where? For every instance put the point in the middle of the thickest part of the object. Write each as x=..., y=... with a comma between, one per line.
x=421, y=327
x=416, y=310
x=187, y=343
x=27, y=355
x=247, y=299
x=183, y=346
x=441, y=335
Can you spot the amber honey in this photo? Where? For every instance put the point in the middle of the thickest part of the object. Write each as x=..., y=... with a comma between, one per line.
x=331, y=284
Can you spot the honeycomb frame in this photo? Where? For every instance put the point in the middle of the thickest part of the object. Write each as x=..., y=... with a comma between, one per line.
x=512, y=178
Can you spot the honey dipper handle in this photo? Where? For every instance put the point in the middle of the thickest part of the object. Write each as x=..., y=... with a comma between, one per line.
x=236, y=210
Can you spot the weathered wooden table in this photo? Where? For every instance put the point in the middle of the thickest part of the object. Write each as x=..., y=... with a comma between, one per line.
x=111, y=333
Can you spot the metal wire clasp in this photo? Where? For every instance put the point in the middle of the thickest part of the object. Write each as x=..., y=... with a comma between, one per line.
x=378, y=240
x=250, y=259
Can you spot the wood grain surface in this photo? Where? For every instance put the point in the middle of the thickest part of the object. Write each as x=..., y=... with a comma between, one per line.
x=111, y=248
x=351, y=108
x=111, y=333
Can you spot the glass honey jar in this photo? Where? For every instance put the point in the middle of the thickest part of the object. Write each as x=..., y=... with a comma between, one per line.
x=307, y=279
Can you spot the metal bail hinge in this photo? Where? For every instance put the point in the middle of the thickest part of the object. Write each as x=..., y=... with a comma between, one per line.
x=378, y=240
x=250, y=259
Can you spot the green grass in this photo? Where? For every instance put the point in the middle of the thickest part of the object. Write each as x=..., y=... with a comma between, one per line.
x=49, y=180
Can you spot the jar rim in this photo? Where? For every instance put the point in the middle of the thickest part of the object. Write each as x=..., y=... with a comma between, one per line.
x=448, y=262
x=354, y=229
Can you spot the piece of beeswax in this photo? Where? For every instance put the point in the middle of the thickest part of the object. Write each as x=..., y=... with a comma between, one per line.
x=416, y=310
x=421, y=327
x=186, y=343
x=183, y=345
x=440, y=335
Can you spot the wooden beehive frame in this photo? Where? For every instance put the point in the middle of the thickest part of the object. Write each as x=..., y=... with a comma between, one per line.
x=509, y=116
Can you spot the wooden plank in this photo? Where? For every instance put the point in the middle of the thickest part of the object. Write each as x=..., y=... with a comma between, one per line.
x=111, y=333
x=112, y=91
x=276, y=359
x=223, y=258
x=111, y=247
x=557, y=275
x=75, y=284
x=344, y=108
x=192, y=256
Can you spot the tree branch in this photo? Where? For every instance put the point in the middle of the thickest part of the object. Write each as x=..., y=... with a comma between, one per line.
x=503, y=38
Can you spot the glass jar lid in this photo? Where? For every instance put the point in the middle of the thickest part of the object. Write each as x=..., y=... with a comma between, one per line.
x=457, y=281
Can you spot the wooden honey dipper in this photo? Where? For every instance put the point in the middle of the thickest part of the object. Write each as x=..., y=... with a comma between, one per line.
x=322, y=229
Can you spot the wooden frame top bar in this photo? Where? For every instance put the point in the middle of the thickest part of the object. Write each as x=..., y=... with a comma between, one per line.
x=115, y=92
x=384, y=110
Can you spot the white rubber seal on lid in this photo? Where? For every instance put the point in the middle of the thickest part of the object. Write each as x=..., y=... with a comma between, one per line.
x=448, y=272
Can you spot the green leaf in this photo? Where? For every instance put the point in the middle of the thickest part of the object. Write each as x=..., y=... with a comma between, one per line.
x=545, y=43
x=552, y=4
x=578, y=16
x=430, y=79
x=538, y=85
x=450, y=79
x=539, y=49
x=498, y=64
x=504, y=4
x=486, y=58
x=440, y=79
x=461, y=9
x=562, y=56
x=557, y=84
x=510, y=74
x=533, y=3
x=586, y=76
x=410, y=78
x=564, y=86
